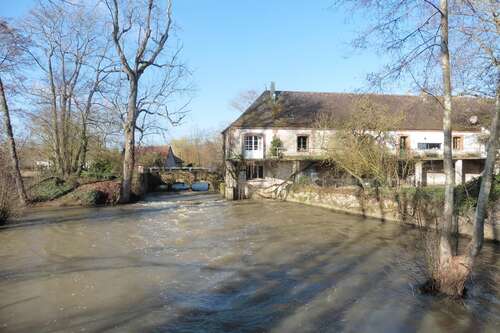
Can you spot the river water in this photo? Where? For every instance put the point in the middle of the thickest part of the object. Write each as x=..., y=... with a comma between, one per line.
x=197, y=263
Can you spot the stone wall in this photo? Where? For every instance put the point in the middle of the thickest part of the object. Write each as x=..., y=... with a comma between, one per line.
x=398, y=208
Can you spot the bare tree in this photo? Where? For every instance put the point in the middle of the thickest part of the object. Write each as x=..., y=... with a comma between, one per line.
x=66, y=41
x=244, y=100
x=477, y=24
x=100, y=68
x=363, y=145
x=140, y=35
x=202, y=148
x=11, y=55
x=445, y=244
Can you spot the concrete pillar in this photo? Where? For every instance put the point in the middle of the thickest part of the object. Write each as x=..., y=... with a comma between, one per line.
x=419, y=173
x=459, y=174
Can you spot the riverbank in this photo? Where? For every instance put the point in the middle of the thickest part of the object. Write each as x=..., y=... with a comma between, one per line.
x=406, y=207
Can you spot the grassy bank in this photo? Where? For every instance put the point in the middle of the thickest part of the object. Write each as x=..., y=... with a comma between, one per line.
x=82, y=191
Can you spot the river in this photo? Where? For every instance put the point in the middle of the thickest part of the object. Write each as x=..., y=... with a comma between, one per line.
x=197, y=263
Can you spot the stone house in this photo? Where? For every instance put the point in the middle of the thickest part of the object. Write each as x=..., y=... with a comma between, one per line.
x=251, y=158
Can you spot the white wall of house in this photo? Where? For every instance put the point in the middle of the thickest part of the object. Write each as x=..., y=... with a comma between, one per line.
x=471, y=143
x=318, y=141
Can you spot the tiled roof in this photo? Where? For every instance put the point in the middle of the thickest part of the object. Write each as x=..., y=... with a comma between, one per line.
x=301, y=109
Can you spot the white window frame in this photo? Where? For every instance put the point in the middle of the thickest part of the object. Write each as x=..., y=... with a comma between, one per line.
x=299, y=149
x=252, y=142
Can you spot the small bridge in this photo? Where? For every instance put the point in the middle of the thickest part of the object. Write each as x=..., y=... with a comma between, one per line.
x=155, y=178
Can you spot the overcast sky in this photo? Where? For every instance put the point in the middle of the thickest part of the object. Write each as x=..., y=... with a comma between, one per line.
x=232, y=46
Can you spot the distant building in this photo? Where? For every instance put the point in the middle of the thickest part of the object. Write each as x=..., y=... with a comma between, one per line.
x=168, y=157
x=172, y=161
x=248, y=140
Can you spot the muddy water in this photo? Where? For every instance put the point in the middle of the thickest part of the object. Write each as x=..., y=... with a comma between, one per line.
x=195, y=263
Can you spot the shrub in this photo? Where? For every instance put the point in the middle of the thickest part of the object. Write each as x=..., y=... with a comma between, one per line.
x=303, y=180
x=92, y=198
x=465, y=198
x=100, y=193
x=276, y=145
x=466, y=194
x=101, y=168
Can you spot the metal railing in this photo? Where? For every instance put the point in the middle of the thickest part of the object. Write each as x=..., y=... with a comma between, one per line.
x=166, y=169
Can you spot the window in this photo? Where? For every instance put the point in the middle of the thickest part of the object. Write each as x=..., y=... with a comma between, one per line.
x=457, y=143
x=403, y=142
x=302, y=142
x=426, y=146
x=253, y=142
x=255, y=171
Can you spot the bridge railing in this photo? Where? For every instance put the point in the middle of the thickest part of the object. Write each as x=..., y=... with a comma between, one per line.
x=142, y=169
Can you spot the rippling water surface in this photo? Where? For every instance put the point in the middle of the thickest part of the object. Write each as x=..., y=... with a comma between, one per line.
x=196, y=263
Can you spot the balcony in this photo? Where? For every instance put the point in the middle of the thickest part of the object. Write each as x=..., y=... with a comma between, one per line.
x=292, y=154
x=437, y=154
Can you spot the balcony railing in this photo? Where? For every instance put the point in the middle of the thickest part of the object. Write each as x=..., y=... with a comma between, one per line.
x=321, y=153
x=478, y=152
x=283, y=153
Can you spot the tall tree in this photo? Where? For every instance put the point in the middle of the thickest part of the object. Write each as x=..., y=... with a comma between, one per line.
x=477, y=25
x=11, y=55
x=446, y=251
x=67, y=43
x=140, y=35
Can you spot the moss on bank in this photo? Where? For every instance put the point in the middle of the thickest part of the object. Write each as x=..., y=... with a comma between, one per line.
x=75, y=192
x=50, y=189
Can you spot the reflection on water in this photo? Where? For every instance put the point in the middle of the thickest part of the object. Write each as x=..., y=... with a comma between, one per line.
x=196, y=263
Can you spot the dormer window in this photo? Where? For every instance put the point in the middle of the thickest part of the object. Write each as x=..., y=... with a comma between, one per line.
x=302, y=143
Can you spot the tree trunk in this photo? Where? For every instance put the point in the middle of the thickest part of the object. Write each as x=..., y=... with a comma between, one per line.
x=486, y=181
x=446, y=252
x=55, y=120
x=12, y=147
x=129, y=155
x=81, y=155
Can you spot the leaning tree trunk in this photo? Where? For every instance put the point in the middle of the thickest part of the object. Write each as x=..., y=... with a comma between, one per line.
x=486, y=181
x=12, y=147
x=129, y=156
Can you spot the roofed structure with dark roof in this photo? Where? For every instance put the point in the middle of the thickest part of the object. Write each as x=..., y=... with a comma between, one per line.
x=301, y=109
x=166, y=152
